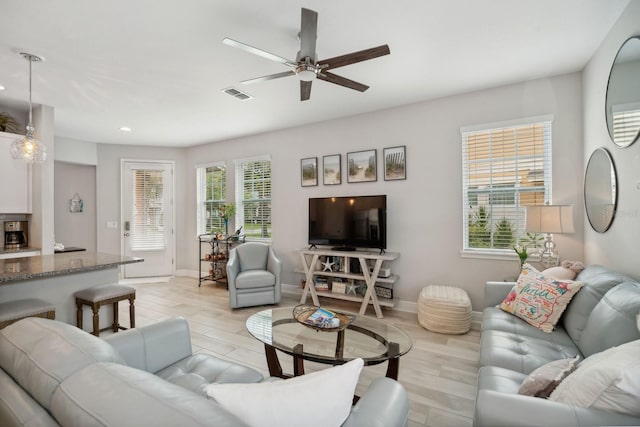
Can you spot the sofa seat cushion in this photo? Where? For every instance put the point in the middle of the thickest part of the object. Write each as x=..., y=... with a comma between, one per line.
x=196, y=372
x=107, y=394
x=520, y=353
x=253, y=279
x=27, y=350
x=500, y=379
x=494, y=319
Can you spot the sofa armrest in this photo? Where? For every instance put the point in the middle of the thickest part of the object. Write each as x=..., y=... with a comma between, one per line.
x=384, y=404
x=495, y=292
x=154, y=347
x=495, y=409
x=274, y=265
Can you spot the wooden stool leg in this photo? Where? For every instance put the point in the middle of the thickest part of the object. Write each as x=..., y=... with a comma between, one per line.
x=96, y=320
x=116, y=318
x=132, y=312
x=79, y=315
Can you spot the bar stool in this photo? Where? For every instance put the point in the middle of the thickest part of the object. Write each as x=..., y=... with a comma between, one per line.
x=106, y=294
x=12, y=311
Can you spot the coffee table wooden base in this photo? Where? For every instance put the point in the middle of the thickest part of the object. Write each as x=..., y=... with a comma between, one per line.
x=275, y=369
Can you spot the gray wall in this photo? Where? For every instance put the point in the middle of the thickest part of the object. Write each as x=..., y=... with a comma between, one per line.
x=618, y=247
x=75, y=228
x=424, y=211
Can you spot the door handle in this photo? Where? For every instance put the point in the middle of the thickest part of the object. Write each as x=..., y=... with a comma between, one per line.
x=126, y=234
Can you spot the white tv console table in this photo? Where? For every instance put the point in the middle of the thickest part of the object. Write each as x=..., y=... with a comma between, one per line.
x=310, y=259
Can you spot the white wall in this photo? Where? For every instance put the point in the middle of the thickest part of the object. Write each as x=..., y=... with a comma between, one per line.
x=74, y=151
x=425, y=210
x=75, y=228
x=108, y=191
x=41, y=233
x=618, y=247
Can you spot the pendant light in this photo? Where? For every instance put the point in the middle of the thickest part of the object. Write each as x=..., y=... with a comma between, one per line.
x=29, y=148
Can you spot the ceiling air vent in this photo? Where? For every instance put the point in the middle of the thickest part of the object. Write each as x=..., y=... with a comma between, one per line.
x=237, y=94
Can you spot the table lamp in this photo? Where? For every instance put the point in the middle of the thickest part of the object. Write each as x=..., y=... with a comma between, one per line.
x=549, y=219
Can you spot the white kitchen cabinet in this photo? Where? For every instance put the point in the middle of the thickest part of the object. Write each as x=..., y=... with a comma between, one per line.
x=15, y=179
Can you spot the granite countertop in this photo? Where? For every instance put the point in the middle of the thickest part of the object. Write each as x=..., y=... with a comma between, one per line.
x=36, y=267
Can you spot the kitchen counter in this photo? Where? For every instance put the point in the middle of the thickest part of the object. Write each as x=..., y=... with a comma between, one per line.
x=17, y=251
x=58, y=265
x=56, y=278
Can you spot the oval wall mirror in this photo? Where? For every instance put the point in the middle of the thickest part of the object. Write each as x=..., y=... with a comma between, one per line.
x=623, y=95
x=600, y=190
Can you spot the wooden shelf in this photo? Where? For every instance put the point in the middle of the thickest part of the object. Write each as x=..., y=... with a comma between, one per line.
x=391, y=279
x=384, y=302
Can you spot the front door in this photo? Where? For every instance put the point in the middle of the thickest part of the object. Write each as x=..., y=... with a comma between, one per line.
x=147, y=218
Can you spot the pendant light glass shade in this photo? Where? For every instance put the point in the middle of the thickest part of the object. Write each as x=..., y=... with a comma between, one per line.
x=29, y=148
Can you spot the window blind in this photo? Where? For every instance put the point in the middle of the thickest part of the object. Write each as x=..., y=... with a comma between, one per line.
x=147, y=228
x=253, y=197
x=212, y=195
x=504, y=170
x=626, y=124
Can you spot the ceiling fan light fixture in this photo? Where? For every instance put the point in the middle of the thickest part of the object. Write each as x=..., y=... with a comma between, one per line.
x=307, y=75
x=28, y=148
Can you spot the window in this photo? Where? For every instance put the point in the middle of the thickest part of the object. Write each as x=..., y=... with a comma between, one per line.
x=253, y=197
x=505, y=167
x=212, y=194
x=147, y=225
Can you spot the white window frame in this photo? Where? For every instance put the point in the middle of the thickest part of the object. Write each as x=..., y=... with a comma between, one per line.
x=239, y=194
x=201, y=171
x=500, y=253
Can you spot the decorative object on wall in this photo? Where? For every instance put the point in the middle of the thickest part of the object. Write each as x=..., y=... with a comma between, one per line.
x=309, y=171
x=395, y=166
x=622, y=107
x=29, y=148
x=76, y=204
x=331, y=170
x=9, y=124
x=549, y=219
x=600, y=190
x=362, y=166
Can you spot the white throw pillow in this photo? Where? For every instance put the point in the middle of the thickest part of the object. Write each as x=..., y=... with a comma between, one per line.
x=609, y=380
x=320, y=398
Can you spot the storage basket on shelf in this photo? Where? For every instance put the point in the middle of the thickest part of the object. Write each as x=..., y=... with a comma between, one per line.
x=444, y=309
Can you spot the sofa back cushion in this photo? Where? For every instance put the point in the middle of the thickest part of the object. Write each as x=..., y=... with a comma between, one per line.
x=252, y=256
x=107, y=394
x=596, y=280
x=17, y=408
x=40, y=353
x=613, y=320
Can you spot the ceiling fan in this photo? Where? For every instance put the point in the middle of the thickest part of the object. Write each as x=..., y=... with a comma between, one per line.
x=306, y=66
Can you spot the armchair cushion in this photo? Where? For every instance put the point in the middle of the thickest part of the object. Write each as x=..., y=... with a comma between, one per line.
x=255, y=279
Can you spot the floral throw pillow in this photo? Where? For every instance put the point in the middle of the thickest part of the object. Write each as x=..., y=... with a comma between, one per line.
x=539, y=299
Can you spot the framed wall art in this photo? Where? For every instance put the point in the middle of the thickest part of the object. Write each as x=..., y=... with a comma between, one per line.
x=395, y=163
x=362, y=166
x=331, y=174
x=309, y=171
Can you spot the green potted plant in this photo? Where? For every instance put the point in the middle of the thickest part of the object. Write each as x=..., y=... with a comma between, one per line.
x=227, y=211
x=9, y=124
x=522, y=254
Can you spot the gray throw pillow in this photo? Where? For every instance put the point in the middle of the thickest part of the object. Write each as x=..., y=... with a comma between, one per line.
x=542, y=381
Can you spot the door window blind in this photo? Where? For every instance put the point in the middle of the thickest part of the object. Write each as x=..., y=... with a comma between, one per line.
x=253, y=197
x=147, y=228
x=504, y=169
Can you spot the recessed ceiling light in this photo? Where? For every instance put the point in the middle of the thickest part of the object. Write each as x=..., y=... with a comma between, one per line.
x=125, y=129
x=2, y=87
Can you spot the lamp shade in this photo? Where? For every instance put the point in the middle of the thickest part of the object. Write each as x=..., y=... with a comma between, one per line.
x=550, y=219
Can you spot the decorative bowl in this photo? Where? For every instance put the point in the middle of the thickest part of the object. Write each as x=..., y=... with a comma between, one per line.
x=303, y=312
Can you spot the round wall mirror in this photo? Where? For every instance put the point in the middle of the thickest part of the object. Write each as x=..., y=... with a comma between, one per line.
x=623, y=95
x=600, y=190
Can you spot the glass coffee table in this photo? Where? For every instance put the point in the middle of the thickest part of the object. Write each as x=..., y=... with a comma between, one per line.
x=375, y=341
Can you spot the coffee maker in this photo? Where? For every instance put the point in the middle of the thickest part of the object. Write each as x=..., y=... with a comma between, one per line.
x=15, y=234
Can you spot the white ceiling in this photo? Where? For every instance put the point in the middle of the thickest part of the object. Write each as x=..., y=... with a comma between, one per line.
x=159, y=66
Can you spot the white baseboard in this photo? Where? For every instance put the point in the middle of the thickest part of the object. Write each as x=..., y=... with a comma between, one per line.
x=139, y=280
x=187, y=273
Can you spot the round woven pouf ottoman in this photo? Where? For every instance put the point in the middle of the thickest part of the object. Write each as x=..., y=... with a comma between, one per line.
x=444, y=309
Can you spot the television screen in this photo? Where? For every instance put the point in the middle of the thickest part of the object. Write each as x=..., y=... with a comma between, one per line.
x=348, y=222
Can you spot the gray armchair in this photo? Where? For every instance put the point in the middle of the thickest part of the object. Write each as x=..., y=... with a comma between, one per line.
x=253, y=274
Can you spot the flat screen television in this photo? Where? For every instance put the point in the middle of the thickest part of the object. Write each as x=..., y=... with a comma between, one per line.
x=347, y=223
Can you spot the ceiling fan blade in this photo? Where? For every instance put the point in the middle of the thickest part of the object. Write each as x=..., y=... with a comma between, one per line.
x=305, y=90
x=352, y=58
x=342, y=81
x=269, y=77
x=259, y=52
x=308, y=34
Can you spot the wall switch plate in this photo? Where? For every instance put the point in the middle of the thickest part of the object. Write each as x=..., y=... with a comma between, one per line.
x=112, y=224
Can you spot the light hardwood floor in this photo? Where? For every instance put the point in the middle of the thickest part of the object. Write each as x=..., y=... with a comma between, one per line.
x=439, y=372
